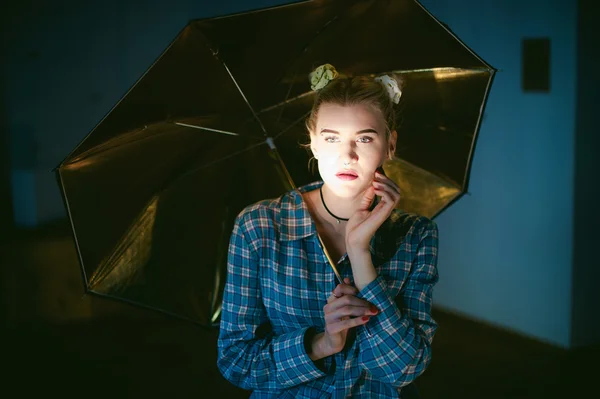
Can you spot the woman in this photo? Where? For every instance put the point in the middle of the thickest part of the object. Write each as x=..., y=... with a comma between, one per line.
x=287, y=329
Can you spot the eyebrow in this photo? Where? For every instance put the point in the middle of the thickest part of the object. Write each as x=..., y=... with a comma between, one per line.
x=359, y=132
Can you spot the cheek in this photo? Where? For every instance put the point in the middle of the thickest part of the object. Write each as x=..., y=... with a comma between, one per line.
x=327, y=154
x=375, y=154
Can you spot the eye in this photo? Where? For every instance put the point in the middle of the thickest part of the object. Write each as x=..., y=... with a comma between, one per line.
x=331, y=139
x=365, y=139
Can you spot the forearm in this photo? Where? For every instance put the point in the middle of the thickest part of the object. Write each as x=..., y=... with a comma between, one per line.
x=363, y=271
x=270, y=363
x=396, y=343
x=394, y=348
x=395, y=353
x=395, y=357
x=250, y=355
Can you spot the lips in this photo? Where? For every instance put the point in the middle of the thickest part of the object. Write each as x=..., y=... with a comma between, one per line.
x=347, y=175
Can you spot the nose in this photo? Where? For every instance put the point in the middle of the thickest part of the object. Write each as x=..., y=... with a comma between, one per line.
x=349, y=155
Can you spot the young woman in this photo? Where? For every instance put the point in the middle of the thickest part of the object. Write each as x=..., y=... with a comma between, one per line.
x=288, y=330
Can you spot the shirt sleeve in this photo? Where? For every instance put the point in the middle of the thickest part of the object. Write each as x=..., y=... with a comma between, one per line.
x=249, y=354
x=395, y=345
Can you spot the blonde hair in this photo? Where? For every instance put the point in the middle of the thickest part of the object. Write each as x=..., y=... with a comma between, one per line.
x=360, y=90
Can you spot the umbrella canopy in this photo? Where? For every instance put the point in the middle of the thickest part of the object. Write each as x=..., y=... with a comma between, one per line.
x=153, y=190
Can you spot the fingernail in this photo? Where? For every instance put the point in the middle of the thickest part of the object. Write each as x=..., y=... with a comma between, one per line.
x=374, y=309
x=366, y=318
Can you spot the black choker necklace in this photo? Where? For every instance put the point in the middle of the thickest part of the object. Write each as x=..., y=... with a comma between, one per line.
x=339, y=219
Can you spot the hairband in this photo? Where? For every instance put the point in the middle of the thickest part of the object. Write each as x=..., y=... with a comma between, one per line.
x=391, y=86
x=321, y=76
x=325, y=73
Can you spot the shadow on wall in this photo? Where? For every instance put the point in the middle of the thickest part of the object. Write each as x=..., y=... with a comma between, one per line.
x=586, y=274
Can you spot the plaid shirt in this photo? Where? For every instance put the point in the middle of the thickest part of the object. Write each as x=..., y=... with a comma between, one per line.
x=278, y=283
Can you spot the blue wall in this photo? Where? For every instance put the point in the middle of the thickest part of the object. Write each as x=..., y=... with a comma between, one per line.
x=505, y=251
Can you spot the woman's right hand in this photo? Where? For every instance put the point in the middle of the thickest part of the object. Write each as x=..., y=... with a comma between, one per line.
x=343, y=312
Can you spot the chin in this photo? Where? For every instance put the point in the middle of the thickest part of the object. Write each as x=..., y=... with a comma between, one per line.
x=346, y=189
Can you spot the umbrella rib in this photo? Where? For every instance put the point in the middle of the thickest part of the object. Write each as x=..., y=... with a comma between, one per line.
x=72, y=223
x=244, y=97
x=417, y=70
x=286, y=101
x=206, y=128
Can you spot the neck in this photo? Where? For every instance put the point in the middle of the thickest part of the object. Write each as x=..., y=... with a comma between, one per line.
x=335, y=208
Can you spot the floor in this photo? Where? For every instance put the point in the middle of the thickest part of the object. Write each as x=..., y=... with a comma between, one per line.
x=57, y=341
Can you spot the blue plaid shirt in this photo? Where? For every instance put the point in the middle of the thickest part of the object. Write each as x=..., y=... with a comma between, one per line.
x=278, y=283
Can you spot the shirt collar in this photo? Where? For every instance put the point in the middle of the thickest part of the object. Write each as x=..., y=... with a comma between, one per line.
x=296, y=222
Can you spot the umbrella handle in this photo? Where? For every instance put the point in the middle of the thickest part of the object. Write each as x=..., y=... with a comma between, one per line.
x=331, y=262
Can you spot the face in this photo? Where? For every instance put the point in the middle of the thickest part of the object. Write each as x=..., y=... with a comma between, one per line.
x=350, y=143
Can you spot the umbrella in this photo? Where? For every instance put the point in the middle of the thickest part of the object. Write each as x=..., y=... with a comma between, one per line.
x=215, y=124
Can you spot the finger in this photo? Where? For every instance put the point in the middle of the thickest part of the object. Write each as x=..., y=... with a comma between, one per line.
x=346, y=300
x=340, y=291
x=342, y=325
x=386, y=203
x=367, y=199
x=392, y=189
x=381, y=187
x=382, y=211
x=344, y=289
x=384, y=179
x=349, y=306
x=331, y=298
x=348, y=312
x=379, y=214
x=387, y=199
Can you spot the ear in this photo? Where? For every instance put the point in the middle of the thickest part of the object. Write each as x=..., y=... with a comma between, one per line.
x=314, y=150
x=392, y=142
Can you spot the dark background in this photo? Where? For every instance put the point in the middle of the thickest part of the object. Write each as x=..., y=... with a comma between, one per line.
x=58, y=341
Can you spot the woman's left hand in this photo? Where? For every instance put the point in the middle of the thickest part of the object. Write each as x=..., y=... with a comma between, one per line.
x=364, y=223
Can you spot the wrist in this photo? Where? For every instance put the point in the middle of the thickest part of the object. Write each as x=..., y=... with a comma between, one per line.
x=363, y=269
x=358, y=254
x=358, y=244
x=319, y=348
